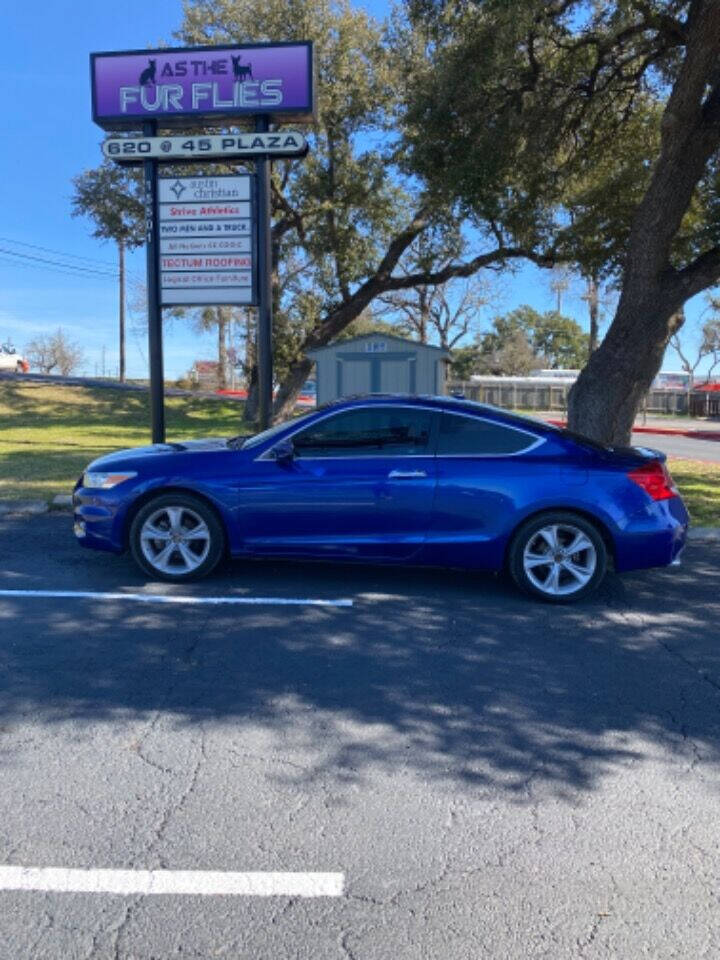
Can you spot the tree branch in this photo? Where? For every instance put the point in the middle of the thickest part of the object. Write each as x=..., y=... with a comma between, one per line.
x=489, y=259
x=382, y=280
x=292, y=218
x=702, y=273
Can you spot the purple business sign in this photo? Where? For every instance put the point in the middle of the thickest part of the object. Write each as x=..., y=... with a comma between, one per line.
x=202, y=84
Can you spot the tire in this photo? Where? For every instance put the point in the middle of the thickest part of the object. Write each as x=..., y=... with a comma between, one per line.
x=565, y=577
x=190, y=539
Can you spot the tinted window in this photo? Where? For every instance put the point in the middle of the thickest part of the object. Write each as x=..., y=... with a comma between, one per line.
x=368, y=432
x=468, y=435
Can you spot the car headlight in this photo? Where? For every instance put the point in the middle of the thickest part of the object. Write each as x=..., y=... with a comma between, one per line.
x=104, y=481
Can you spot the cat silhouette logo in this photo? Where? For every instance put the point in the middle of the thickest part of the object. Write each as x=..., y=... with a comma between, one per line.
x=241, y=71
x=148, y=74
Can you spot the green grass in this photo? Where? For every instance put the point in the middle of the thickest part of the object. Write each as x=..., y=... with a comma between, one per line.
x=699, y=484
x=48, y=434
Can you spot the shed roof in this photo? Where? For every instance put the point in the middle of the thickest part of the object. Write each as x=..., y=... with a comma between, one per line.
x=378, y=336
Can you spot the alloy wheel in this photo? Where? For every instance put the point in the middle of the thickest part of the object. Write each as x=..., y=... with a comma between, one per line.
x=559, y=559
x=175, y=540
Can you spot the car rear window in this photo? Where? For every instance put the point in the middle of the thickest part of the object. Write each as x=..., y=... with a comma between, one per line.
x=470, y=436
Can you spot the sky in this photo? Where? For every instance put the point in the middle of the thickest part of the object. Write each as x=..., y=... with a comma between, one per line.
x=53, y=273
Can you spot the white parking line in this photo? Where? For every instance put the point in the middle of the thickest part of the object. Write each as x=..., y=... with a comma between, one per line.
x=202, y=883
x=172, y=598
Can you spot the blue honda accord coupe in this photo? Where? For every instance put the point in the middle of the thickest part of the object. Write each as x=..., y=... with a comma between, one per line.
x=415, y=480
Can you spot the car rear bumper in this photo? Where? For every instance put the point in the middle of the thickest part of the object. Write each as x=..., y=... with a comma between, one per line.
x=654, y=538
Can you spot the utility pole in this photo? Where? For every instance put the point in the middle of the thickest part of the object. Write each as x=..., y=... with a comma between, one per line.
x=264, y=331
x=559, y=285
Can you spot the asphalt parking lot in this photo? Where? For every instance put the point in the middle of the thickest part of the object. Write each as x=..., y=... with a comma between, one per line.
x=488, y=777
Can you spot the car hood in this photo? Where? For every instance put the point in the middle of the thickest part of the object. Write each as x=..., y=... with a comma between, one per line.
x=137, y=455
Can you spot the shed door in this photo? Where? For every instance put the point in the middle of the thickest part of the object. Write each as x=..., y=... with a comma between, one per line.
x=354, y=376
x=395, y=376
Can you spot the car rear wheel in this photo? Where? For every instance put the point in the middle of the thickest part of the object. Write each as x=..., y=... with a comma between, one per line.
x=176, y=537
x=558, y=557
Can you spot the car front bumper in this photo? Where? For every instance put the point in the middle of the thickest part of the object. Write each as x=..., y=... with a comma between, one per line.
x=99, y=519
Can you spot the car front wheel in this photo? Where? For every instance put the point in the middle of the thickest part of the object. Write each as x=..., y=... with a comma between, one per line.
x=176, y=537
x=558, y=557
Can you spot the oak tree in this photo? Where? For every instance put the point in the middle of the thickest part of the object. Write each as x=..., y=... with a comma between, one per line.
x=591, y=128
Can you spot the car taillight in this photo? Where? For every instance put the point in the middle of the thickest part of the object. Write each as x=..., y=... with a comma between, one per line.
x=654, y=477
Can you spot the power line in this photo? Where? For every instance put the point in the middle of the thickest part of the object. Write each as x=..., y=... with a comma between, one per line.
x=65, y=269
x=59, y=263
x=72, y=256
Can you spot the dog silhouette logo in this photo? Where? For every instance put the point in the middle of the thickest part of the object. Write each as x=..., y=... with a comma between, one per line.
x=240, y=70
x=148, y=74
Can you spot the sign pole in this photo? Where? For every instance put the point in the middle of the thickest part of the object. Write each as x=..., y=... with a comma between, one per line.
x=264, y=273
x=155, y=332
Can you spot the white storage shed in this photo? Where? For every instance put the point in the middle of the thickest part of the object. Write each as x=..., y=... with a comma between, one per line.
x=379, y=363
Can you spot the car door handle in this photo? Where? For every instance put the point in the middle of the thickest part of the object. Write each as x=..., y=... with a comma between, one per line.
x=406, y=474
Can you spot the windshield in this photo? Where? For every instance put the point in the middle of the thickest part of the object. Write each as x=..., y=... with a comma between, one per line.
x=268, y=434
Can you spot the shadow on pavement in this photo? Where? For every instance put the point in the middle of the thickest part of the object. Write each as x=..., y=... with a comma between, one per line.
x=444, y=674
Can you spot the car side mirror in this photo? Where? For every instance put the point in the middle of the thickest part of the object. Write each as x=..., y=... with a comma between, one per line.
x=284, y=452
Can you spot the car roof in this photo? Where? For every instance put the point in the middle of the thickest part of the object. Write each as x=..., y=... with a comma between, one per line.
x=455, y=404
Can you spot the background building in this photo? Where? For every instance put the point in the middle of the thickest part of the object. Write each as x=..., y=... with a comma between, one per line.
x=378, y=363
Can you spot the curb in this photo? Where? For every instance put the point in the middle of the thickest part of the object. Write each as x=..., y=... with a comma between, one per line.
x=663, y=431
x=34, y=508
x=704, y=534
x=23, y=508
x=671, y=432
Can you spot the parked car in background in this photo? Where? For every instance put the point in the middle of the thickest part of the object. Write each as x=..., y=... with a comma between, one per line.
x=308, y=395
x=396, y=479
x=10, y=360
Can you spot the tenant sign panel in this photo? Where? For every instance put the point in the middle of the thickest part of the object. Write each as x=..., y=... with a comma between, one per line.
x=206, y=231
x=185, y=86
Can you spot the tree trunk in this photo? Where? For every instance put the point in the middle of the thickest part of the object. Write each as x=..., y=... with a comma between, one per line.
x=424, y=313
x=594, y=310
x=121, y=309
x=250, y=411
x=604, y=400
x=290, y=387
x=606, y=396
x=222, y=323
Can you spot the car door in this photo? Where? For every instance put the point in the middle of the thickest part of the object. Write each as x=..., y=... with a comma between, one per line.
x=361, y=483
x=484, y=469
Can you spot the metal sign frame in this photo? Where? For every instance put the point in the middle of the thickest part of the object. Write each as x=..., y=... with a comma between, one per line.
x=131, y=151
x=222, y=114
x=254, y=285
x=263, y=288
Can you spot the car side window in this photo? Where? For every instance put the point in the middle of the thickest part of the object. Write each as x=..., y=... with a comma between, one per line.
x=368, y=432
x=470, y=436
